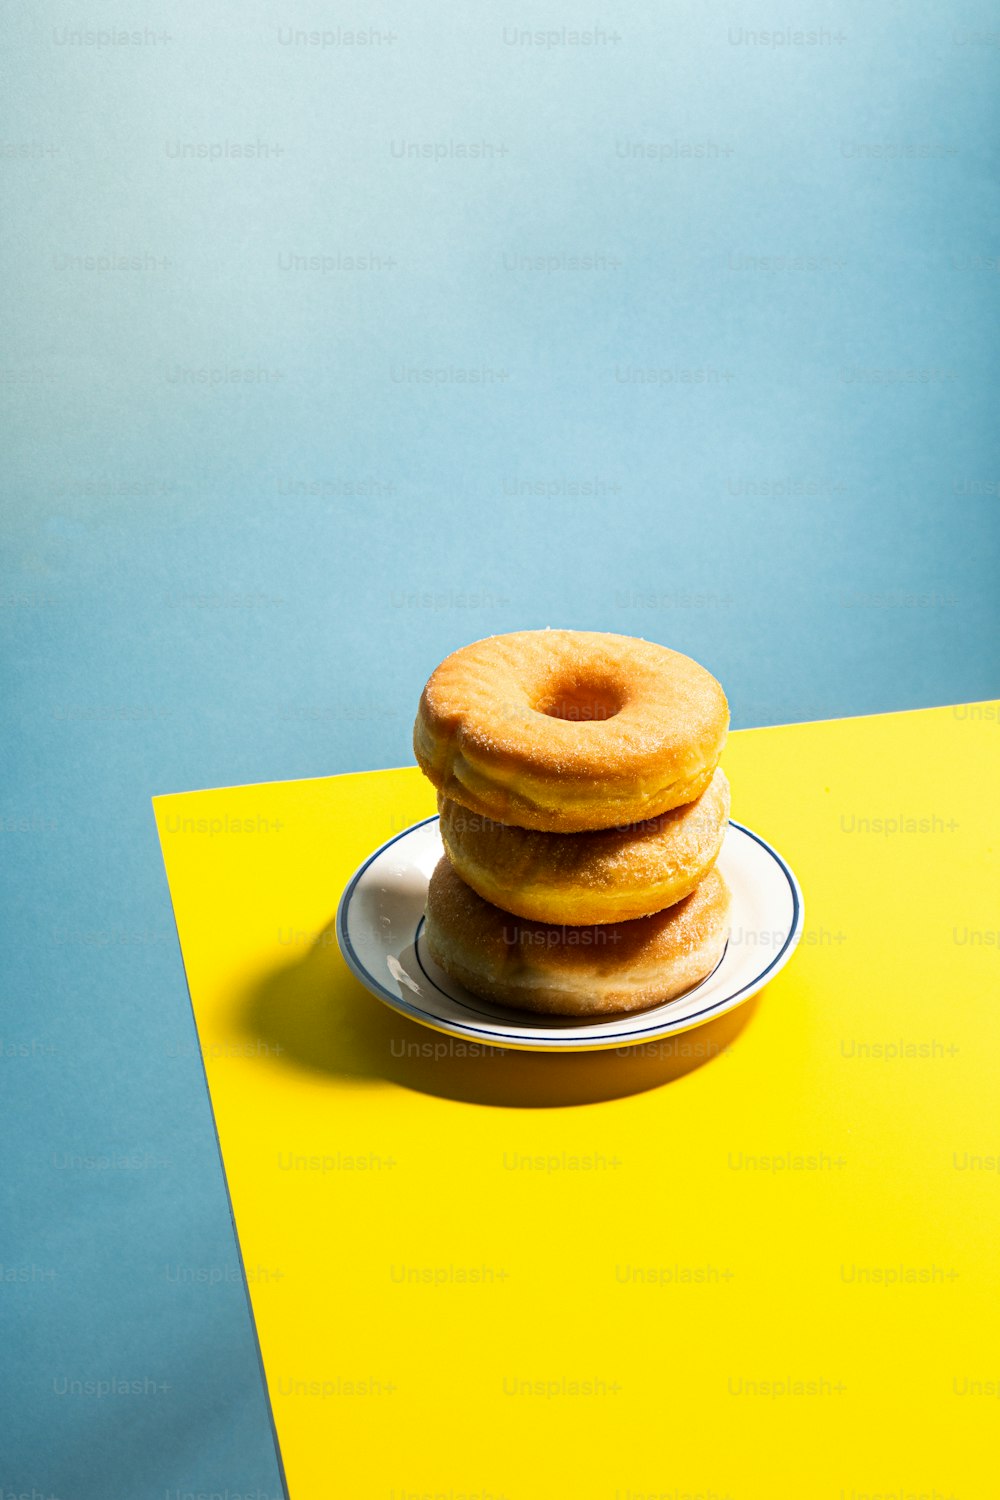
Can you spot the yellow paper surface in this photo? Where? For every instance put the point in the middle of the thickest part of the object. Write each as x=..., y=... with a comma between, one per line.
x=753, y=1261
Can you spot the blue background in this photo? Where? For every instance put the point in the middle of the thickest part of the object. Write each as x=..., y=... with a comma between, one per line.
x=210, y=580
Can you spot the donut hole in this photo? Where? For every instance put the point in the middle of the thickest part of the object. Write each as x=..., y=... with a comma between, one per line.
x=581, y=702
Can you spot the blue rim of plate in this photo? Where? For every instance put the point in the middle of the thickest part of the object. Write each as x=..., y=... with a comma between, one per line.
x=620, y=1039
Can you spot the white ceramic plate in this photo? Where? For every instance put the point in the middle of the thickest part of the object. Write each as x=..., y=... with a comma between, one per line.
x=380, y=924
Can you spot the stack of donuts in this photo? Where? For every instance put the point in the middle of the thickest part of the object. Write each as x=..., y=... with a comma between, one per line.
x=582, y=810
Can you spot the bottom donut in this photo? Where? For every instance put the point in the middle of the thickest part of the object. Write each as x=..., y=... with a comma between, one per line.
x=574, y=971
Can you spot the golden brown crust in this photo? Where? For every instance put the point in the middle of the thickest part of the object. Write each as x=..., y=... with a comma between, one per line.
x=570, y=730
x=574, y=971
x=612, y=875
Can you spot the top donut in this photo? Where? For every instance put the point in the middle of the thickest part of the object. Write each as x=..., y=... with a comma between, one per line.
x=570, y=730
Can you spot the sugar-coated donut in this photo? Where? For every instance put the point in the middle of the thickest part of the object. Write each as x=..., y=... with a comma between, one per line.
x=570, y=730
x=613, y=875
x=574, y=971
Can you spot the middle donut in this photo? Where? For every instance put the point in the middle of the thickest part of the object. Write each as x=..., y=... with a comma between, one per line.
x=575, y=879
